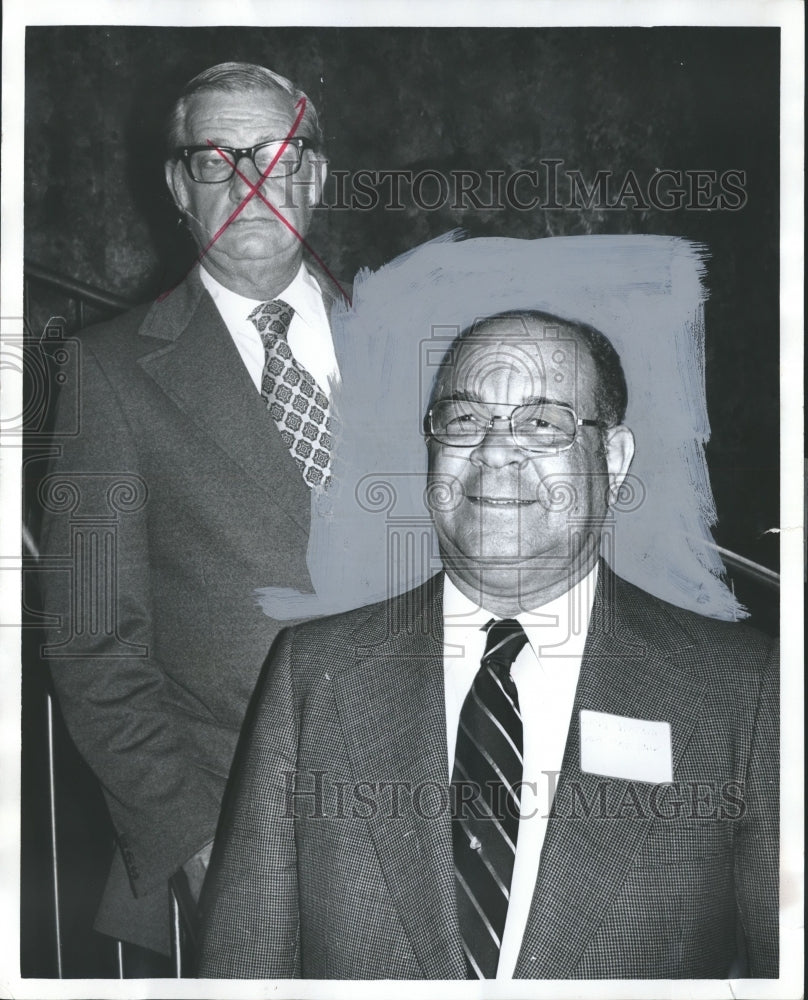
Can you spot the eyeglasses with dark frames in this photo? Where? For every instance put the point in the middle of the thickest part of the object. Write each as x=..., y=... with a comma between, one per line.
x=543, y=427
x=216, y=164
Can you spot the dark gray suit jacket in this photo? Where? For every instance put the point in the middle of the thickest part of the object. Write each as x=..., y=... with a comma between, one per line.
x=174, y=492
x=309, y=880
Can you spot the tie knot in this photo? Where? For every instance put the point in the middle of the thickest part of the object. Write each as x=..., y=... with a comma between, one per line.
x=503, y=644
x=272, y=319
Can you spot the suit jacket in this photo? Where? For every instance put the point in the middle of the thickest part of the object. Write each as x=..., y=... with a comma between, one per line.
x=309, y=880
x=172, y=498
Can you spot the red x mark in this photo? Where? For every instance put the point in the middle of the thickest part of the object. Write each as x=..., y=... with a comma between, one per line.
x=255, y=189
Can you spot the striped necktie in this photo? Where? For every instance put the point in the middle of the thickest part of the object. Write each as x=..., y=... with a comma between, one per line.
x=485, y=785
x=296, y=403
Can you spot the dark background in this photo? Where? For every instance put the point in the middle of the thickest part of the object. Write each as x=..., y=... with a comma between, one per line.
x=97, y=210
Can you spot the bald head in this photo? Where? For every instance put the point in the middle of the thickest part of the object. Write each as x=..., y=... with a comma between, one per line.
x=572, y=345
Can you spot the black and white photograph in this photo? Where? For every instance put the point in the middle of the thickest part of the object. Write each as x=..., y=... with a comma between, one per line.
x=403, y=499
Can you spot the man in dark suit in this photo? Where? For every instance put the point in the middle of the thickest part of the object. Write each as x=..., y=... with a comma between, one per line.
x=203, y=425
x=527, y=767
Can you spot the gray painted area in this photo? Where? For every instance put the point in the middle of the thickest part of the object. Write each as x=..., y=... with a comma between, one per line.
x=371, y=535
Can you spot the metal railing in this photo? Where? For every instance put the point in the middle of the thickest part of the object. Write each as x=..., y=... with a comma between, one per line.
x=78, y=293
x=80, y=297
x=748, y=568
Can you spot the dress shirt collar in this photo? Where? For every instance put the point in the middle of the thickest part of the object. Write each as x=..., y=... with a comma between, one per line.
x=561, y=624
x=302, y=293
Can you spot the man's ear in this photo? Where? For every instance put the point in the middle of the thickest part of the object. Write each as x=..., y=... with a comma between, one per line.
x=619, y=445
x=177, y=182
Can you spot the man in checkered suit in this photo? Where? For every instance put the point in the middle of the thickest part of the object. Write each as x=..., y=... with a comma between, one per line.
x=634, y=744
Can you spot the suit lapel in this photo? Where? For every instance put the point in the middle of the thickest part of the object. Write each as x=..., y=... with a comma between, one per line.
x=627, y=669
x=391, y=704
x=200, y=369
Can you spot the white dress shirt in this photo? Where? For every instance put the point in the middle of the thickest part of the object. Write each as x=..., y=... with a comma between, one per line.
x=546, y=675
x=309, y=336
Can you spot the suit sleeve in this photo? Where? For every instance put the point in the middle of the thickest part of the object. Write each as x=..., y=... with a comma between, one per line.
x=100, y=646
x=249, y=905
x=757, y=839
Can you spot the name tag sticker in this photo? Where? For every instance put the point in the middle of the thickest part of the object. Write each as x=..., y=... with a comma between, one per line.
x=617, y=746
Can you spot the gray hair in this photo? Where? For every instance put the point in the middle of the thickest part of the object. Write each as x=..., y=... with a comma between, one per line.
x=234, y=76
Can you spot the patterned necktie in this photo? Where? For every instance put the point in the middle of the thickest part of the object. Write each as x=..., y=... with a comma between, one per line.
x=295, y=401
x=486, y=783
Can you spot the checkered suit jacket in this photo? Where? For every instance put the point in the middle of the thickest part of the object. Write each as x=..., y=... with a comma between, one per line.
x=674, y=881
